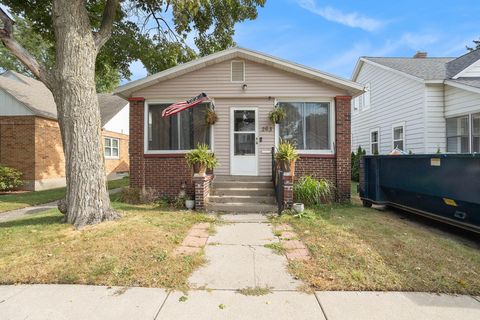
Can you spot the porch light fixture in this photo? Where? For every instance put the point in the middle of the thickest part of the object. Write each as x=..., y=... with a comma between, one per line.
x=244, y=87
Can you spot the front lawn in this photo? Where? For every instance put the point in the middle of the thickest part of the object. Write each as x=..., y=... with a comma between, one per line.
x=21, y=200
x=356, y=248
x=133, y=251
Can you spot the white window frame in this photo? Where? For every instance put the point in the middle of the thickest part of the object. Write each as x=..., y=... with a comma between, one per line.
x=377, y=130
x=111, y=147
x=231, y=71
x=356, y=104
x=397, y=125
x=331, y=124
x=146, y=128
x=366, y=97
x=470, y=130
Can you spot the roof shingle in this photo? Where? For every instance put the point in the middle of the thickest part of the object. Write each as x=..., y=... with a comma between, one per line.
x=38, y=98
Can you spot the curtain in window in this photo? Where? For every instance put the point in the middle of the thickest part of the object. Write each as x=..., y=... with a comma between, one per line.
x=306, y=125
x=182, y=131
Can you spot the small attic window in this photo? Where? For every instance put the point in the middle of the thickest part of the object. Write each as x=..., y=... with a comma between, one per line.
x=238, y=71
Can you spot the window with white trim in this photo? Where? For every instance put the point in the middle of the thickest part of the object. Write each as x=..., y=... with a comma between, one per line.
x=398, y=133
x=180, y=132
x=307, y=125
x=356, y=104
x=366, y=97
x=458, y=134
x=374, y=141
x=476, y=132
x=112, y=147
x=238, y=71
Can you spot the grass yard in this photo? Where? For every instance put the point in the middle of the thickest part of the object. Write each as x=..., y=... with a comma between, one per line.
x=21, y=200
x=356, y=248
x=134, y=251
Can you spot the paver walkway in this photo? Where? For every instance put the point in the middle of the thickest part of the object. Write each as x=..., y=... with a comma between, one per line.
x=27, y=211
x=238, y=259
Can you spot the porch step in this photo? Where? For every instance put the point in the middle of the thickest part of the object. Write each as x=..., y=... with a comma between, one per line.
x=242, y=184
x=245, y=191
x=220, y=178
x=241, y=207
x=242, y=194
x=242, y=199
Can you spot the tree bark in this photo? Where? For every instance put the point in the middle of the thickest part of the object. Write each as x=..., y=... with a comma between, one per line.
x=73, y=86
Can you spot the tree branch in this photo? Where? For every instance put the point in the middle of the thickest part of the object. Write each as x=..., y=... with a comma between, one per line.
x=105, y=32
x=6, y=36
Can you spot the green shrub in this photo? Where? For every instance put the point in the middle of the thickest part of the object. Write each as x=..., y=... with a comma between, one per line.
x=312, y=192
x=356, y=157
x=10, y=178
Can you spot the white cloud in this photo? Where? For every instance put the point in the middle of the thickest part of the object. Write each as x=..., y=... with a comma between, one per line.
x=344, y=63
x=353, y=19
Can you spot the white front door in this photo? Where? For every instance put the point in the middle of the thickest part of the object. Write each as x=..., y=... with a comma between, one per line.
x=243, y=141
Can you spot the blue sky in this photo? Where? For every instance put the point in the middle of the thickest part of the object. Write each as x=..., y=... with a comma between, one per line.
x=330, y=35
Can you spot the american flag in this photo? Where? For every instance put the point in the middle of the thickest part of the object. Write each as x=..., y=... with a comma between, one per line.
x=183, y=105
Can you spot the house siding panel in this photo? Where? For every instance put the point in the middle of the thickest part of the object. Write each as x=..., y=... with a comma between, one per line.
x=434, y=119
x=394, y=99
x=261, y=80
x=459, y=102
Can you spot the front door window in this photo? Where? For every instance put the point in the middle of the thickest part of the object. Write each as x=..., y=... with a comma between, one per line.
x=244, y=132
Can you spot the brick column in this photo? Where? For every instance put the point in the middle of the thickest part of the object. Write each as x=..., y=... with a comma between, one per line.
x=137, y=162
x=288, y=190
x=202, y=190
x=342, y=147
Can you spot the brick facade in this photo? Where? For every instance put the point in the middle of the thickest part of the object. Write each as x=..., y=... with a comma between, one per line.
x=166, y=173
x=202, y=190
x=33, y=145
x=122, y=163
x=343, y=147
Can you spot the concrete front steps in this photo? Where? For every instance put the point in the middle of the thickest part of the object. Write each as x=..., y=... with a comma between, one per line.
x=242, y=194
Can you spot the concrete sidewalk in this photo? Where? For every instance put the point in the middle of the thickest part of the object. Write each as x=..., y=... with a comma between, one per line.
x=52, y=302
x=28, y=211
x=237, y=259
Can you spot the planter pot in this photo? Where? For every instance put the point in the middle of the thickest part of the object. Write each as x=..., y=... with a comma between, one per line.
x=199, y=169
x=298, y=207
x=190, y=204
x=286, y=166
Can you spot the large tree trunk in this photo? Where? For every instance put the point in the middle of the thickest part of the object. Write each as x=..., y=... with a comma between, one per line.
x=73, y=87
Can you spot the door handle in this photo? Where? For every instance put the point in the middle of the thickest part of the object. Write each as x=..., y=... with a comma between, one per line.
x=256, y=140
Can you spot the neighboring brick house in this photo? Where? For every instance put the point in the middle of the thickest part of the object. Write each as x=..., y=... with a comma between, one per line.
x=243, y=86
x=30, y=139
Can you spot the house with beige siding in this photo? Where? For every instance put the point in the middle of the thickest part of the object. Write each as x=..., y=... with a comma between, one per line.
x=30, y=139
x=243, y=86
x=419, y=104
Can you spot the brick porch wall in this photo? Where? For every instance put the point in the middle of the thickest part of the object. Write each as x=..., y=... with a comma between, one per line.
x=335, y=168
x=165, y=173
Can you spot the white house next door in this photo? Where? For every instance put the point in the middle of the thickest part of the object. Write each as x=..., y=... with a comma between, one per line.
x=243, y=141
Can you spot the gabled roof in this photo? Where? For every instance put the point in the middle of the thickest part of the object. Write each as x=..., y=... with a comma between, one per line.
x=236, y=52
x=421, y=68
x=427, y=69
x=456, y=66
x=36, y=97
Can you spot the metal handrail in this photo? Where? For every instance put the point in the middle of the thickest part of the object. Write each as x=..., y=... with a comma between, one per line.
x=277, y=179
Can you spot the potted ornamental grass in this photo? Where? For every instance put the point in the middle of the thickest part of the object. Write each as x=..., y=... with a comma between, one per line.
x=201, y=159
x=286, y=156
